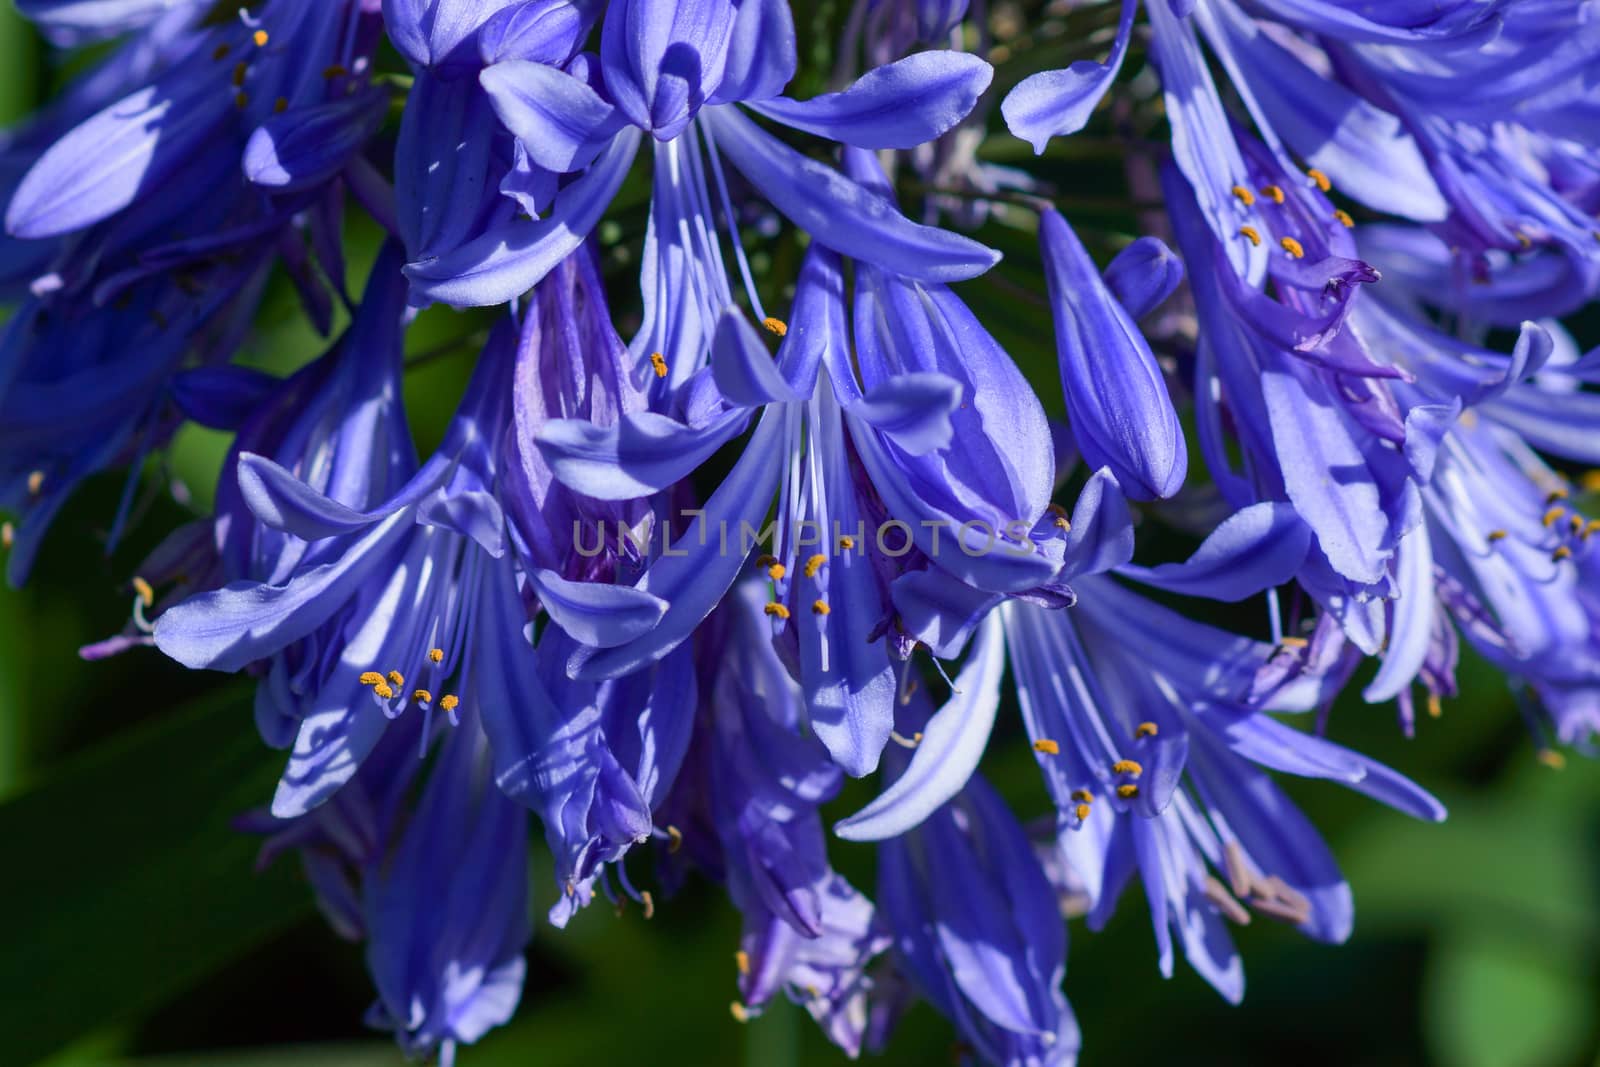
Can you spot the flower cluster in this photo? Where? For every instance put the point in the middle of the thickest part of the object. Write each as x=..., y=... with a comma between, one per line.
x=666, y=593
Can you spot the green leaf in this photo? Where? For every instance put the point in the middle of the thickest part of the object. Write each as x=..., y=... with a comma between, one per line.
x=125, y=883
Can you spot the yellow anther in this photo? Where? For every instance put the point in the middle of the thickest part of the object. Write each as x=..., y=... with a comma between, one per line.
x=371, y=678
x=1252, y=233
x=814, y=564
x=1082, y=812
x=776, y=609
x=422, y=696
x=241, y=100
x=1082, y=796
x=396, y=678
x=846, y=543
x=1146, y=729
x=449, y=702
x=777, y=326
x=766, y=561
x=1320, y=178
x=1062, y=523
x=240, y=69
x=1127, y=792
x=1246, y=197
x=1552, y=515
x=1558, y=493
x=1344, y=218
x=1293, y=247
x=820, y=607
x=658, y=363
x=8, y=535
x=674, y=839
x=1560, y=554
x=1047, y=746
x=335, y=71
x=260, y=38
x=1127, y=766
x=1435, y=706
x=742, y=960
x=35, y=483
x=1497, y=535
x=1588, y=530
x=1552, y=759
x=1524, y=240
x=1590, y=481
x=777, y=571
x=647, y=904
x=1293, y=642
x=280, y=105
x=147, y=596
x=383, y=690
x=740, y=1013
x=436, y=654
x=1273, y=193
x=1575, y=524
x=221, y=51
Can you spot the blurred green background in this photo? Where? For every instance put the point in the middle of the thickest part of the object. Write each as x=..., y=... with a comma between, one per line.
x=137, y=932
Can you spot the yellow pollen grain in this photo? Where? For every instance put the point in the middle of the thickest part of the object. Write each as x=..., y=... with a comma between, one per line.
x=337, y=70
x=1552, y=759
x=1082, y=796
x=240, y=69
x=740, y=1013
x=1524, y=240
x=1127, y=766
x=814, y=564
x=1560, y=554
x=741, y=959
x=777, y=571
x=260, y=38
x=383, y=690
x=370, y=678
x=422, y=696
x=221, y=51
x=449, y=701
x=1246, y=197
x=35, y=483
x=1293, y=247
x=1082, y=812
x=674, y=839
x=1294, y=642
x=1435, y=706
x=1127, y=792
x=1146, y=729
x=1344, y=218
x=396, y=678
x=280, y=105
x=147, y=596
x=846, y=543
x=777, y=610
x=436, y=654
x=1252, y=233
x=820, y=607
x=658, y=363
x=777, y=326
x=1497, y=535
x=1552, y=515
x=1047, y=746
x=1273, y=193
x=1064, y=525
x=1320, y=178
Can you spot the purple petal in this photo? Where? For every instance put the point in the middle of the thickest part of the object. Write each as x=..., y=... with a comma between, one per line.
x=307, y=146
x=912, y=410
x=761, y=52
x=1056, y=103
x=1256, y=548
x=559, y=120
x=1143, y=275
x=638, y=455
x=901, y=105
